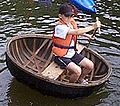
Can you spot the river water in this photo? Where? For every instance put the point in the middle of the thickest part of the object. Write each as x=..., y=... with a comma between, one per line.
x=18, y=17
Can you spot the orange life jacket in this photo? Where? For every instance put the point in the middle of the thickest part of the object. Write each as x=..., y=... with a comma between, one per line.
x=61, y=46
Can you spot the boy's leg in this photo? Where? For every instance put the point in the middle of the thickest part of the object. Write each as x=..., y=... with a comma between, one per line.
x=87, y=66
x=76, y=72
x=71, y=66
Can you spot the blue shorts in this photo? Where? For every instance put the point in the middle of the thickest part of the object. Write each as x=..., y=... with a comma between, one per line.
x=63, y=61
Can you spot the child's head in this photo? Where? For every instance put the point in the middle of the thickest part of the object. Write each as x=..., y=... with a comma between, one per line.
x=66, y=13
x=66, y=10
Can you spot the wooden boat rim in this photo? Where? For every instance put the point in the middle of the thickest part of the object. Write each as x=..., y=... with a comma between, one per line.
x=66, y=84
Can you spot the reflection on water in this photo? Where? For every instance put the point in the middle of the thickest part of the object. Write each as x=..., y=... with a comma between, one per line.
x=33, y=97
x=26, y=16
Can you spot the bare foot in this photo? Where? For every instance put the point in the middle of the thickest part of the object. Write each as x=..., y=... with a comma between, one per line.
x=83, y=81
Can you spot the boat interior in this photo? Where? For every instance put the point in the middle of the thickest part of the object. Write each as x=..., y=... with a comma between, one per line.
x=34, y=54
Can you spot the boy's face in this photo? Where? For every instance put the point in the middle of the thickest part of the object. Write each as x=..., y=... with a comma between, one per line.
x=67, y=18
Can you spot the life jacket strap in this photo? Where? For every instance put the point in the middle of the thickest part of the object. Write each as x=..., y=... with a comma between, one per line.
x=64, y=47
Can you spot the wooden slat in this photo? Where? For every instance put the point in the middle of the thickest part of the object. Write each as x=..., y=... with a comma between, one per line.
x=47, y=62
x=27, y=57
x=53, y=71
x=93, y=58
x=35, y=61
x=18, y=53
x=34, y=45
x=33, y=56
x=13, y=53
x=46, y=50
x=36, y=64
x=96, y=76
x=25, y=54
x=45, y=41
x=98, y=67
x=92, y=74
x=50, y=57
x=33, y=69
x=88, y=55
x=26, y=46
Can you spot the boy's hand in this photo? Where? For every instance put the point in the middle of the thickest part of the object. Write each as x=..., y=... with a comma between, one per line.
x=90, y=36
x=97, y=23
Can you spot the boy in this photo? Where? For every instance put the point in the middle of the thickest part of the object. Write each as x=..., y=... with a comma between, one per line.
x=64, y=49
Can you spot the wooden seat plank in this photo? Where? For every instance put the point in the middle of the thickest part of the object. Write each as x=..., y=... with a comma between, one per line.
x=53, y=71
